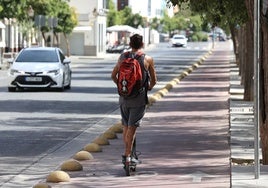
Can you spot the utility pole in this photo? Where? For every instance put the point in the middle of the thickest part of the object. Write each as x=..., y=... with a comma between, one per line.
x=257, y=87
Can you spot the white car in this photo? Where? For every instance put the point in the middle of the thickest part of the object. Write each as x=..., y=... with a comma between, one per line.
x=40, y=67
x=179, y=40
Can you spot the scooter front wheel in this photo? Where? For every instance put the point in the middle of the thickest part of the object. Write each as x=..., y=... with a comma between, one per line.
x=127, y=169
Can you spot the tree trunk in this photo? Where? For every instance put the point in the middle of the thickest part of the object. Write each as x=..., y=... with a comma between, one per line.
x=264, y=90
x=249, y=65
x=264, y=142
x=234, y=35
x=67, y=45
x=57, y=38
x=248, y=70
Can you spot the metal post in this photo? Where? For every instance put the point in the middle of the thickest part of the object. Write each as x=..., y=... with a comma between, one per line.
x=256, y=87
x=213, y=37
x=9, y=34
x=50, y=25
x=39, y=31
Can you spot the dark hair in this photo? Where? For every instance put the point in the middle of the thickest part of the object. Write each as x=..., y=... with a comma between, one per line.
x=136, y=41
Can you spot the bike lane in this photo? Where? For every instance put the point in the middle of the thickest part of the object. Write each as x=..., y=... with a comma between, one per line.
x=183, y=138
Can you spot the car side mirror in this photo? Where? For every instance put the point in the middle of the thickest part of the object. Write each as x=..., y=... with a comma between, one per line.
x=66, y=61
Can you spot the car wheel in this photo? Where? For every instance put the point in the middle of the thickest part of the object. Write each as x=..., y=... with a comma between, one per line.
x=62, y=85
x=11, y=89
x=61, y=89
x=69, y=85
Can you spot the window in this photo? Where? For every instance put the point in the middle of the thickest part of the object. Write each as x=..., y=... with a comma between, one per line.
x=38, y=56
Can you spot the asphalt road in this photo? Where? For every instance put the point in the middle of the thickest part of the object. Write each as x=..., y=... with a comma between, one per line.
x=39, y=129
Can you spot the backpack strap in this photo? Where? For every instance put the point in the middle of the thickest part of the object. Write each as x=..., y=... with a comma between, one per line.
x=128, y=54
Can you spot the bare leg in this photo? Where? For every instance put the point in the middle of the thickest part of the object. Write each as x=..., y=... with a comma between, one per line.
x=129, y=138
x=125, y=129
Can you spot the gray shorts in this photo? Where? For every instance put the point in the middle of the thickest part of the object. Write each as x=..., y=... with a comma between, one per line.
x=131, y=116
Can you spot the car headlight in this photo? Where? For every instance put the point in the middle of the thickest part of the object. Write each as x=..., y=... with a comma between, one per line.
x=56, y=71
x=15, y=71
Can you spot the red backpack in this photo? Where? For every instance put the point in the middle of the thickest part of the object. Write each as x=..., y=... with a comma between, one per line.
x=130, y=75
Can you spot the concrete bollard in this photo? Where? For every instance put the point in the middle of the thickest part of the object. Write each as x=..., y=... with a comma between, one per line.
x=117, y=128
x=83, y=155
x=92, y=147
x=109, y=134
x=58, y=176
x=71, y=165
x=101, y=140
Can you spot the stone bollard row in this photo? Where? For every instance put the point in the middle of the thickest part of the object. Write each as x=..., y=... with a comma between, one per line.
x=74, y=164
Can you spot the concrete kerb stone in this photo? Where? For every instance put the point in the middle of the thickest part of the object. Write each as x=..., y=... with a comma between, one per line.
x=58, y=176
x=162, y=92
x=92, y=147
x=71, y=165
x=83, y=155
x=101, y=140
x=61, y=176
x=117, y=128
x=109, y=134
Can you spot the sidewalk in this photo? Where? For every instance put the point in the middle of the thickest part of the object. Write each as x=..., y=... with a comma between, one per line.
x=184, y=139
x=242, y=133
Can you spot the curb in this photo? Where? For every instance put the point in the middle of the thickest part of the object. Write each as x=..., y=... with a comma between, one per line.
x=103, y=139
x=162, y=92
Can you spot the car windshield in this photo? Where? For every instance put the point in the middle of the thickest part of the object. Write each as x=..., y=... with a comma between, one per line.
x=178, y=37
x=45, y=56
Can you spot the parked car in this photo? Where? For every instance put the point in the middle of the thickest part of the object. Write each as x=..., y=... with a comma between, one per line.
x=118, y=49
x=179, y=40
x=40, y=67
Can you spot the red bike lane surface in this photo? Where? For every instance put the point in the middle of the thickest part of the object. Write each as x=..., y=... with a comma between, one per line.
x=183, y=138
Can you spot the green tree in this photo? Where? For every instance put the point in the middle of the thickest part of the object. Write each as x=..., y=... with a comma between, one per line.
x=185, y=20
x=60, y=9
x=13, y=9
x=67, y=20
x=123, y=17
x=168, y=23
x=136, y=20
x=155, y=23
x=112, y=15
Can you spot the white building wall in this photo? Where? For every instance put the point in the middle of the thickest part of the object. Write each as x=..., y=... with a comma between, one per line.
x=143, y=8
x=84, y=6
x=91, y=28
x=139, y=6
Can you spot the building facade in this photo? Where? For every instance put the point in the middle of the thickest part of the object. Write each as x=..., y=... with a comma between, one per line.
x=149, y=9
x=89, y=37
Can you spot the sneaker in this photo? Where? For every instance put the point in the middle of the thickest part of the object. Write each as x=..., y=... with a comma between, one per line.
x=135, y=160
x=128, y=159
